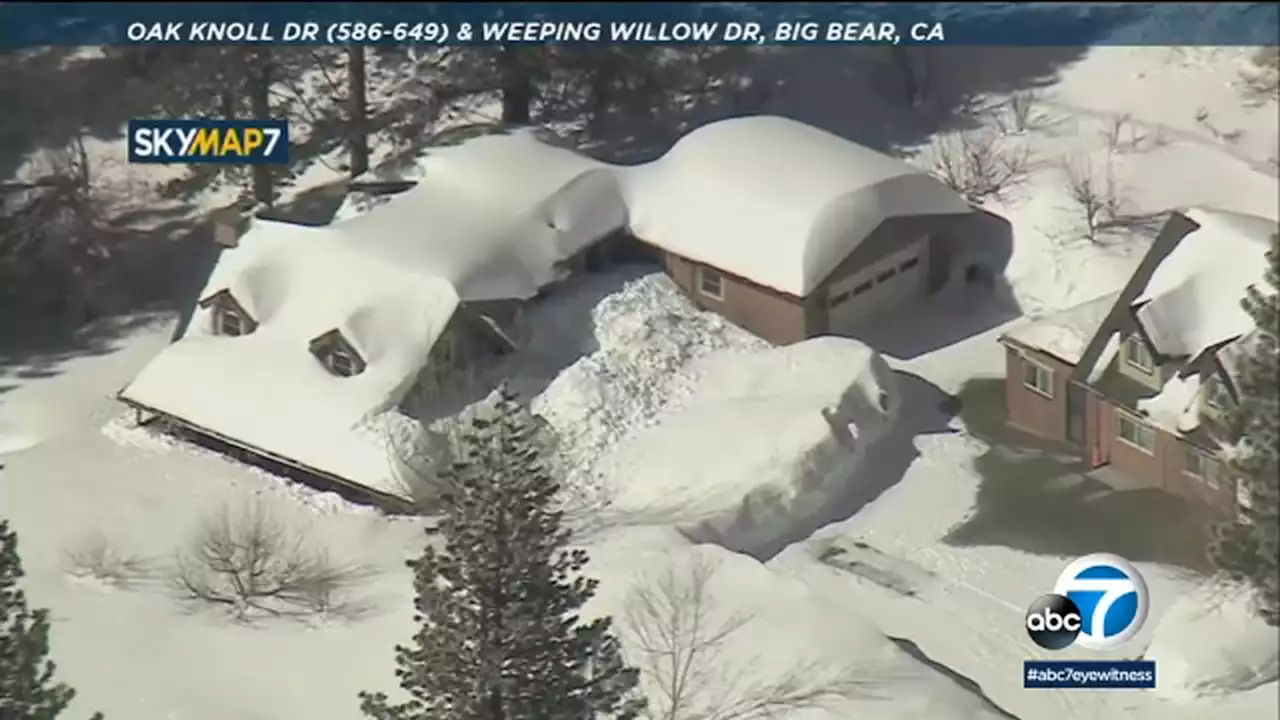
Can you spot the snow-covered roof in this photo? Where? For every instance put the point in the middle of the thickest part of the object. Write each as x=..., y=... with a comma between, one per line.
x=389, y=280
x=265, y=389
x=1192, y=300
x=518, y=173
x=773, y=200
x=1067, y=333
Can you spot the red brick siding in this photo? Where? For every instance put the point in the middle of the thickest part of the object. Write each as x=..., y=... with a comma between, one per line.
x=1165, y=467
x=773, y=316
x=1027, y=409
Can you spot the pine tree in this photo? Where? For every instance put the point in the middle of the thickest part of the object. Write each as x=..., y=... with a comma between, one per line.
x=501, y=637
x=27, y=688
x=1247, y=548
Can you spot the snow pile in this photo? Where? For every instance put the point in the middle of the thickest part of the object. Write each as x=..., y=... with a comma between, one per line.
x=797, y=420
x=1192, y=300
x=672, y=597
x=774, y=200
x=649, y=336
x=1176, y=406
x=1211, y=642
x=1065, y=334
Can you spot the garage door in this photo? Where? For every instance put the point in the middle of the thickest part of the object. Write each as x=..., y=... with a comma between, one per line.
x=880, y=288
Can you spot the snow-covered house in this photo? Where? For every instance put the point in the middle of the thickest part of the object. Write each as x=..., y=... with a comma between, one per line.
x=303, y=337
x=790, y=231
x=1139, y=380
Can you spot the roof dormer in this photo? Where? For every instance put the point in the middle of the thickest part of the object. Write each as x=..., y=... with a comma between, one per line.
x=228, y=317
x=337, y=354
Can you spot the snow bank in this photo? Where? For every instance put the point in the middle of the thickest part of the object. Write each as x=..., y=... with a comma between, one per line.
x=659, y=587
x=1210, y=642
x=729, y=194
x=797, y=419
x=648, y=337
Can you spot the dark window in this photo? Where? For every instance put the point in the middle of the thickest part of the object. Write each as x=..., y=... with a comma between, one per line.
x=229, y=322
x=837, y=299
x=862, y=288
x=711, y=283
x=341, y=363
x=909, y=264
x=886, y=275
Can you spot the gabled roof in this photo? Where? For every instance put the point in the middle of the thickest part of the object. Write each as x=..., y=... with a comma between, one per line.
x=775, y=201
x=1191, y=301
x=1065, y=334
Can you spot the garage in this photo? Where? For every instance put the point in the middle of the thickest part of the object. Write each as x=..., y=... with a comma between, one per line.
x=883, y=285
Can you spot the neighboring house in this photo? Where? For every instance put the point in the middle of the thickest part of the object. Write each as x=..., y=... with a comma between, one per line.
x=1141, y=380
x=790, y=231
x=304, y=335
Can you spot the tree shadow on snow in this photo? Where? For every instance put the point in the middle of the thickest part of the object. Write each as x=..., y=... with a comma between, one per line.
x=893, y=99
x=1040, y=498
x=925, y=411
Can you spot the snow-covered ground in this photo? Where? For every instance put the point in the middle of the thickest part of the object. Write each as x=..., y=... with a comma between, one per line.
x=664, y=379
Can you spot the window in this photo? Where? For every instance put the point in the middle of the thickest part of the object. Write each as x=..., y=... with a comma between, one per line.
x=1133, y=431
x=341, y=363
x=886, y=275
x=862, y=288
x=1215, y=393
x=1199, y=465
x=908, y=264
x=1137, y=354
x=710, y=283
x=837, y=299
x=337, y=355
x=1037, y=377
x=229, y=322
x=227, y=317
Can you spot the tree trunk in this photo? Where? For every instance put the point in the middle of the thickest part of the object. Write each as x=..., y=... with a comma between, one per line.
x=259, y=82
x=358, y=117
x=517, y=86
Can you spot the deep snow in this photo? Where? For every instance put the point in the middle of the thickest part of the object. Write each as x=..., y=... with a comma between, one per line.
x=133, y=654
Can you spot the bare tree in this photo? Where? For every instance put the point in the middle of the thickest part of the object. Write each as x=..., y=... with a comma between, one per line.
x=978, y=165
x=254, y=563
x=1021, y=108
x=1094, y=193
x=96, y=556
x=1114, y=131
x=680, y=643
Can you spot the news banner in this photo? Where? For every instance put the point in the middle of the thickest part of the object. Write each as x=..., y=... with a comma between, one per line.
x=510, y=31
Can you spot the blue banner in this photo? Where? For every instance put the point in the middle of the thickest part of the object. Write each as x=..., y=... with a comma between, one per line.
x=1089, y=674
x=27, y=24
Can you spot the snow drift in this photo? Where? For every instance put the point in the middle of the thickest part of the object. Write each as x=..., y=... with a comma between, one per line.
x=1211, y=642
x=667, y=594
x=766, y=440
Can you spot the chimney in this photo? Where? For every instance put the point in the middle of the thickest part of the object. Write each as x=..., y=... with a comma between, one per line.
x=228, y=225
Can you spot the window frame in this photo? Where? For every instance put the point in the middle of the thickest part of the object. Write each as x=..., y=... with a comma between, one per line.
x=1135, y=340
x=909, y=264
x=863, y=288
x=1205, y=472
x=1040, y=369
x=705, y=273
x=885, y=276
x=337, y=351
x=221, y=314
x=1140, y=426
x=1214, y=389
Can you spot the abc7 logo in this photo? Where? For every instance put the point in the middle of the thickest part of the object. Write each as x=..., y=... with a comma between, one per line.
x=1099, y=602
